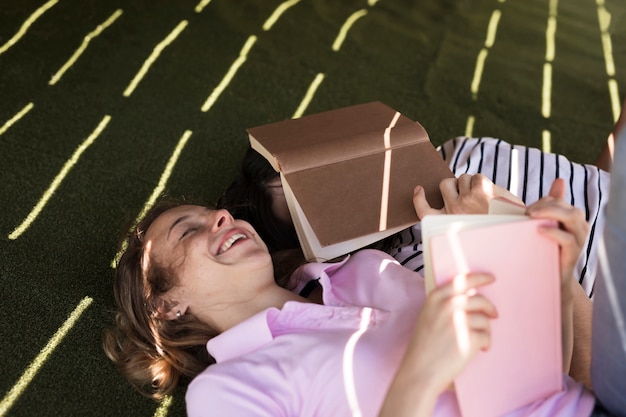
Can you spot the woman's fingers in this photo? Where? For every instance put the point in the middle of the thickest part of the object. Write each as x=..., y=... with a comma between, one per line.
x=422, y=208
x=570, y=218
x=464, y=283
x=557, y=189
x=449, y=190
x=465, y=183
x=481, y=339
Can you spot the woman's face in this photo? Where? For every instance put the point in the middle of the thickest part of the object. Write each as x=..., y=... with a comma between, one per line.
x=279, y=203
x=215, y=258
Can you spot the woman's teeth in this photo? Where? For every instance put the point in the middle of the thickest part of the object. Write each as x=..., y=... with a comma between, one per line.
x=231, y=240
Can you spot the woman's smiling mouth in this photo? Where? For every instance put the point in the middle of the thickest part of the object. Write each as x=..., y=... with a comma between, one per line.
x=230, y=242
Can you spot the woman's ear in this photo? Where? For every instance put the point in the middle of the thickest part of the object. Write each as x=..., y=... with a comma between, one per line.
x=170, y=310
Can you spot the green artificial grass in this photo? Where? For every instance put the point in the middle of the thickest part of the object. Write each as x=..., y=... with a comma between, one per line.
x=417, y=56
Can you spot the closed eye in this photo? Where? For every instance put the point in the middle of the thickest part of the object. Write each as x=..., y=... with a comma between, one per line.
x=187, y=231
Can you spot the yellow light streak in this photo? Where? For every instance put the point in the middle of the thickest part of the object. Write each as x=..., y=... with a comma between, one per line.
x=308, y=96
x=341, y=36
x=553, y=7
x=158, y=190
x=59, y=179
x=153, y=57
x=546, y=141
x=607, y=48
x=546, y=93
x=384, y=202
x=164, y=406
x=493, y=28
x=232, y=71
x=200, y=6
x=492, y=31
x=15, y=118
x=31, y=19
x=97, y=31
x=348, y=363
x=550, y=34
x=604, y=21
x=469, y=126
x=478, y=72
x=282, y=8
x=616, y=105
x=546, y=89
x=371, y=2
x=30, y=372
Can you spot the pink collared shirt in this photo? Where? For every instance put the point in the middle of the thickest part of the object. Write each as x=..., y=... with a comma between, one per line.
x=336, y=359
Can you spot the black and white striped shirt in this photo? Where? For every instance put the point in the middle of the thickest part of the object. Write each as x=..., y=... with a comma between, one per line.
x=527, y=173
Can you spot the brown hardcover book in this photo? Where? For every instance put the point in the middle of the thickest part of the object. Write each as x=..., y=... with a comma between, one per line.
x=348, y=174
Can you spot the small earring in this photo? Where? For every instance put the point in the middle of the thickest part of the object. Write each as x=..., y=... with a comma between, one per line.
x=178, y=315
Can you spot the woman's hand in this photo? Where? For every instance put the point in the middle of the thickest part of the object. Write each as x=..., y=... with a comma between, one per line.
x=572, y=231
x=451, y=328
x=575, y=305
x=467, y=194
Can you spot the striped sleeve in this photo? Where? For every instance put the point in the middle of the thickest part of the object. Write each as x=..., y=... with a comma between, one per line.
x=528, y=173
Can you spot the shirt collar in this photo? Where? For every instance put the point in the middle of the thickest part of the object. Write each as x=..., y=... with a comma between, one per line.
x=256, y=332
x=245, y=337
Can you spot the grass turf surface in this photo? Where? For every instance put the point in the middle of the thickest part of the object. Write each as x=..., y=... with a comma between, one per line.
x=417, y=56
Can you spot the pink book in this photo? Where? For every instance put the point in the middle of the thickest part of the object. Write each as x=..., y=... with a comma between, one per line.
x=524, y=362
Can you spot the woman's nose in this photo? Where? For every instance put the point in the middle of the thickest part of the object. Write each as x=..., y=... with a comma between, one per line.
x=221, y=218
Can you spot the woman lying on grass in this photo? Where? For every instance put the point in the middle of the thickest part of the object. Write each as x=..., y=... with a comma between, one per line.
x=197, y=298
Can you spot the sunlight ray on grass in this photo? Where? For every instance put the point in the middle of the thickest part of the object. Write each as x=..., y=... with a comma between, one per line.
x=546, y=141
x=308, y=96
x=26, y=25
x=546, y=94
x=97, y=31
x=153, y=57
x=59, y=179
x=232, y=71
x=158, y=190
x=164, y=406
x=29, y=374
x=282, y=8
x=243, y=55
x=201, y=5
x=492, y=31
x=469, y=126
x=15, y=118
x=343, y=32
x=546, y=89
x=604, y=21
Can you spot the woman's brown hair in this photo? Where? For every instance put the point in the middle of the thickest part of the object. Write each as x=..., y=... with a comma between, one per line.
x=153, y=353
